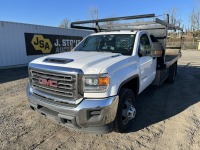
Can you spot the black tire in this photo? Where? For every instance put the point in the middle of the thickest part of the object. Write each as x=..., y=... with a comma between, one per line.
x=126, y=110
x=172, y=73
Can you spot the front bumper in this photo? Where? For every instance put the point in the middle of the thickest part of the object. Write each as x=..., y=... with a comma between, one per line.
x=94, y=115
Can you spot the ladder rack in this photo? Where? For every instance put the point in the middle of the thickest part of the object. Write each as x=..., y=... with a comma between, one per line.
x=148, y=25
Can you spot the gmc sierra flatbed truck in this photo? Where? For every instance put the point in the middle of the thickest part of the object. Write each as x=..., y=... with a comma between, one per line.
x=93, y=87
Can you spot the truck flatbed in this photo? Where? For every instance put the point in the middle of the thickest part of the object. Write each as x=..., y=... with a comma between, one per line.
x=171, y=59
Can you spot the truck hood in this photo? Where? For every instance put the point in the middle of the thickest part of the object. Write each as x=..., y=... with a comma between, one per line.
x=88, y=62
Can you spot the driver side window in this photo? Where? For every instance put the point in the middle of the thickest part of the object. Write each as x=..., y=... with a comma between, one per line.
x=144, y=43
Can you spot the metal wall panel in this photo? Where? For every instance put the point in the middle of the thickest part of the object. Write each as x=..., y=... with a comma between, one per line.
x=12, y=41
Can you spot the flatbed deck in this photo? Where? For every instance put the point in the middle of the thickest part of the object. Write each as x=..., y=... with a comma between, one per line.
x=171, y=59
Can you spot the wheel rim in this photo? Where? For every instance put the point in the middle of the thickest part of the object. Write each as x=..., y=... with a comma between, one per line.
x=128, y=112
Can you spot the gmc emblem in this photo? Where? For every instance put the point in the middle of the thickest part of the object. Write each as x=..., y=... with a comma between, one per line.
x=47, y=82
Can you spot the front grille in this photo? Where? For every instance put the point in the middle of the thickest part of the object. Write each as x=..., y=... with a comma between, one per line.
x=64, y=85
x=46, y=99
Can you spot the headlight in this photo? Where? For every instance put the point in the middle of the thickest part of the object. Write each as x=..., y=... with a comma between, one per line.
x=96, y=83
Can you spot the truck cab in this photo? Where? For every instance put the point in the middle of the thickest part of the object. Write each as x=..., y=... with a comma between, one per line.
x=94, y=87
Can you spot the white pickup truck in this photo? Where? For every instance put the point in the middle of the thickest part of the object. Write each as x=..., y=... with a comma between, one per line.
x=93, y=87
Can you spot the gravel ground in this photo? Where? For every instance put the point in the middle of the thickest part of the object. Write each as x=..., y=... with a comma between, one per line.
x=168, y=117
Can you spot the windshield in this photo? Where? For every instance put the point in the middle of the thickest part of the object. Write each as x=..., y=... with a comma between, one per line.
x=115, y=43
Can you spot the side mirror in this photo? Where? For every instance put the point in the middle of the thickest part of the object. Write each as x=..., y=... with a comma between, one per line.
x=156, y=50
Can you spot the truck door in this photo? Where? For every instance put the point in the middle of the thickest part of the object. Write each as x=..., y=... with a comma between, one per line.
x=147, y=64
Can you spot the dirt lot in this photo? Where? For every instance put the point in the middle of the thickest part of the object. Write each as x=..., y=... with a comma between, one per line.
x=168, y=116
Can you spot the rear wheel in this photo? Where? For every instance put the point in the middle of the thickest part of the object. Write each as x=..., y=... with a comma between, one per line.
x=172, y=73
x=126, y=111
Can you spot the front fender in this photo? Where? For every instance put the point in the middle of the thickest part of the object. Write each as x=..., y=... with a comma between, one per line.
x=122, y=72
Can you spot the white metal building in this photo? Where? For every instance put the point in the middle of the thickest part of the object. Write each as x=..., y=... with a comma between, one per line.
x=13, y=50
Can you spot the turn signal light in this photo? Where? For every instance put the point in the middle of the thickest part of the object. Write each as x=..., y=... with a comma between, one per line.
x=103, y=81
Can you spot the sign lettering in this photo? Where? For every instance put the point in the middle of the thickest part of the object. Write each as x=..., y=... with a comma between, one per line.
x=37, y=44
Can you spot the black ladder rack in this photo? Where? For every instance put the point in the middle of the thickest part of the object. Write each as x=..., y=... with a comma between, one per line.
x=148, y=25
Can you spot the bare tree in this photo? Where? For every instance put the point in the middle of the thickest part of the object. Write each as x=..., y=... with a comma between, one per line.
x=65, y=24
x=93, y=13
x=110, y=23
x=195, y=22
x=173, y=16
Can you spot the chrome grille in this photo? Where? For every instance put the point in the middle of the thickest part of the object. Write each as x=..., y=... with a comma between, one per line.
x=65, y=83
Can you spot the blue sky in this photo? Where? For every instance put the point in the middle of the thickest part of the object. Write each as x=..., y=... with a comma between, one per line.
x=51, y=12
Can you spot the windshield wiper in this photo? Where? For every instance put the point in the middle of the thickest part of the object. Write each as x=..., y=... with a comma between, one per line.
x=94, y=51
x=105, y=51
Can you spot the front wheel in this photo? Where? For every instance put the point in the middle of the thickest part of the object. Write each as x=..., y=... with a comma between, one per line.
x=126, y=111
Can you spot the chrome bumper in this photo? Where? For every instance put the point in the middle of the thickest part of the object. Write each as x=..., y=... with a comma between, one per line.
x=95, y=115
